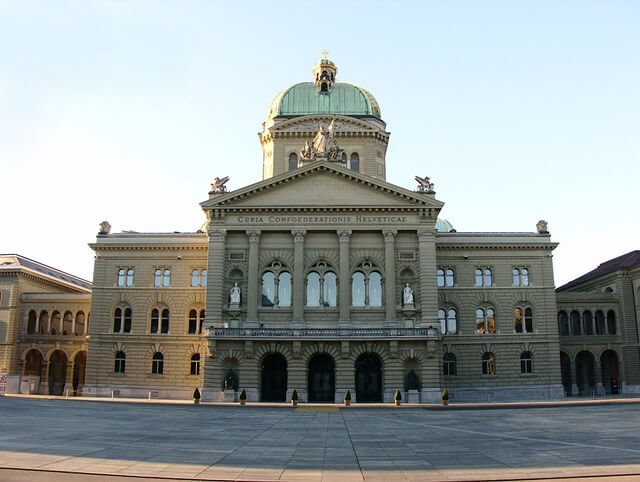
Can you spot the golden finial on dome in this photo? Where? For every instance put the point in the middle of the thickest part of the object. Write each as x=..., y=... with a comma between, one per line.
x=325, y=53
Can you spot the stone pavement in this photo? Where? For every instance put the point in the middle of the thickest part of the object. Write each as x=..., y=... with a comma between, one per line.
x=69, y=438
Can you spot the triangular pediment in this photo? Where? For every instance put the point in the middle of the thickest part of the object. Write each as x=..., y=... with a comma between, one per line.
x=312, y=123
x=322, y=185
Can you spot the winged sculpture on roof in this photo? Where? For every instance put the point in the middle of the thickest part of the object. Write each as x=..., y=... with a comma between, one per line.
x=424, y=184
x=218, y=184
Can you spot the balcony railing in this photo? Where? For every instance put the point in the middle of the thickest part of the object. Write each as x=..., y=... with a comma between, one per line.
x=325, y=333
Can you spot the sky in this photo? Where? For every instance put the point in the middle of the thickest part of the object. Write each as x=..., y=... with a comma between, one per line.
x=126, y=110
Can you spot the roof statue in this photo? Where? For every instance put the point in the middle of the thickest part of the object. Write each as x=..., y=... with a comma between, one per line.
x=324, y=147
x=424, y=184
x=105, y=227
x=219, y=184
x=542, y=227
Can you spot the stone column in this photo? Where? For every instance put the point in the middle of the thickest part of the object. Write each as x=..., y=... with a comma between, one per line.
x=427, y=272
x=298, y=275
x=598, y=382
x=252, y=295
x=45, y=377
x=574, y=379
x=344, y=278
x=390, y=275
x=68, y=378
x=215, y=276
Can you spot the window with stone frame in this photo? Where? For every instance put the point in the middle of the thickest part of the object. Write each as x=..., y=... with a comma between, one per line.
x=122, y=316
x=445, y=277
x=276, y=286
x=449, y=364
x=322, y=286
x=366, y=286
x=159, y=321
x=194, y=366
x=293, y=161
x=157, y=364
x=199, y=277
x=526, y=362
x=125, y=277
x=485, y=321
x=162, y=277
x=484, y=276
x=488, y=363
x=563, y=323
x=354, y=162
x=196, y=318
x=520, y=277
x=120, y=360
x=523, y=319
x=448, y=319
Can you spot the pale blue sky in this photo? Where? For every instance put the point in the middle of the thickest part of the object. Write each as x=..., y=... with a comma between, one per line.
x=126, y=111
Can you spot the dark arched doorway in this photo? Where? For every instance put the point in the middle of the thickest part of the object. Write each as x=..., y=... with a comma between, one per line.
x=273, y=380
x=368, y=378
x=57, y=372
x=609, y=364
x=79, y=367
x=321, y=379
x=565, y=372
x=33, y=363
x=584, y=372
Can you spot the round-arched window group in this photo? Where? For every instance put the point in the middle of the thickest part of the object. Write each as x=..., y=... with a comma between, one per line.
x=485, y=320
x=586, y=322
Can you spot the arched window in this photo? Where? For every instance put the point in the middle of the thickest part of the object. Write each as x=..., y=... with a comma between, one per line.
x=42, y=322
x=117, y=320
x=563, y=323
x=195, y=277
x=484, y=277
x=276, y=286
x=448, y=321
x=195, y=321
x=576, y=328
x=293, y=161
x=440, y=277
x=485, y=321
x=80, y=324
x=587, y=323
x=157, y=364
x=31, y=323
x=56, y=320
x=121, y=277
x=130, y=277
x=449, y=367
x=203, y=277
x=194, y=368
x=159, y=321
x=321, y=286
x=523, y=320
x=120, y=361
x=600, y=329
x=366, y=286
x=450, y=277
x=157, y=278
x=526, y=362
x=488, y=364
x=67, y=323
x=355, y=162
x=520, y=277
x=445, y=277
x=611, y=322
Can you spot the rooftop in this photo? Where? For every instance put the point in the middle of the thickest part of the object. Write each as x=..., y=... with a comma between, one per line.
x=16, y=261
x=626, y=261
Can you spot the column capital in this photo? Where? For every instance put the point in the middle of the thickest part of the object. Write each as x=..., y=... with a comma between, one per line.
x=254, y=235
x=344, y=235
x=389, y=234
x=217, y=235
x=426, y=234
x=298, y=235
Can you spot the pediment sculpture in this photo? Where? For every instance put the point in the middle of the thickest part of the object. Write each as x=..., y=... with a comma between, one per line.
x=324, y=146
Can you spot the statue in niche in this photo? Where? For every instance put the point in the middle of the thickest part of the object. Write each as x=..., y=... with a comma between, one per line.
x=407, y=295
x=234, y=294
x=411, y=381
x=231, y=380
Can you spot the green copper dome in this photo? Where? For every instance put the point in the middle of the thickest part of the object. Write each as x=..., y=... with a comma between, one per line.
x=343, y=99
x=444, y=226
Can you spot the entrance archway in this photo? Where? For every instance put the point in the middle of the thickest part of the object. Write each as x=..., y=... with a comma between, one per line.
x=33, y=363
x=57, y=372
x=565, y=372
x=584, y=372
x=321, y=379
x=273, y=380
x=368, y=378
x=79, y=367
x=609, y=364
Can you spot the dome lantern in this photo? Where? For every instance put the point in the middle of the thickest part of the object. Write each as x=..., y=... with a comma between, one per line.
x=324, y=73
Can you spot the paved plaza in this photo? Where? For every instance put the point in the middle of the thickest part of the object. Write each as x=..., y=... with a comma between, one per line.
x=212, y=442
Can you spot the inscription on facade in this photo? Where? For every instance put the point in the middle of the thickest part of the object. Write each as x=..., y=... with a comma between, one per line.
x=320, y=219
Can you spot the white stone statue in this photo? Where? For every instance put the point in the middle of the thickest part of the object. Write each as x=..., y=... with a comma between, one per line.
x=407, y=295
x=234, y=294
x=320, y=141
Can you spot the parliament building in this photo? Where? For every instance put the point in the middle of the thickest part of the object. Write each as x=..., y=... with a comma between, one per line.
x=322, y=278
